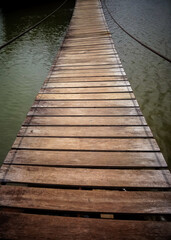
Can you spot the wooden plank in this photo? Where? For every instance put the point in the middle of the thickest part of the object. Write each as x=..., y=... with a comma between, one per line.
x=85, y=84
x=90, y=144
x=87, y=40
x=89, y=159
x=85, y=121
x=87, y=74
x=86, y=201
x=86, y=90
x=78, y=177
x=89, y=52
x=78, y=68
x=93, y=103
x=85, y=96
x=87, y=61
x=88, y=56
x=76, y=44
x=89, y=33
x=29, y=226
x=86, y=131
x=68, y=52
x=85, y=111
x=117, y=80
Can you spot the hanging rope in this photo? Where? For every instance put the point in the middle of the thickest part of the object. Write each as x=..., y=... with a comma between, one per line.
x=30, y=28
x=143, y=44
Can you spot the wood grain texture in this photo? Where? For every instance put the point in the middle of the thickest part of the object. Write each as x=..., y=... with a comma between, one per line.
x=86, y=90
x=87, y=84
x=85, y=96
x=86, y=144
x=92, y=103
x=85, y=121
x=86, y=201
x=86, y=159
x=86, y=177
x=29, y=226
x=85, y=111
x=86, y=131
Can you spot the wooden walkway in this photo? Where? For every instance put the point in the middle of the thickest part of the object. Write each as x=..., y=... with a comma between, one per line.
x=85, y=164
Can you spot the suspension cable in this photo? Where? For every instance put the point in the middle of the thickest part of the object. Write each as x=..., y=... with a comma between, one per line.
x=30, y=28
x=143, y=44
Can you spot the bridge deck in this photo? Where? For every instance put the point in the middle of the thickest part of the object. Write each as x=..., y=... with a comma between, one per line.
x=85, y=164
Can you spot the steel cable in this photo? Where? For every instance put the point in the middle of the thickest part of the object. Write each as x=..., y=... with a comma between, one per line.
x=137, y=40
x=32, y=27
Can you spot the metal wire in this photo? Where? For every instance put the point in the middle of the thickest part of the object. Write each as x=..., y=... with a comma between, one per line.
x=137, y=40
x=30, y=28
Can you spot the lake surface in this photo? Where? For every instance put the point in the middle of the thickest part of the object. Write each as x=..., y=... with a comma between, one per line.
x=25, y=64
x=149, y=75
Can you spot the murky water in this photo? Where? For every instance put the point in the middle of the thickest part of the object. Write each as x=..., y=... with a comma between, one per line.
x=25, y=64
x=149, y=21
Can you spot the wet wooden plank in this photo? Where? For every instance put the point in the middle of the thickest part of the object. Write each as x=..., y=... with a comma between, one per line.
x=101, y=178
x=89, y=159
x=29, y=226
x=85, y=111
x=86, y=131
x=85, y=121
x=86, y=201
x=85, y=96
x=93, y=103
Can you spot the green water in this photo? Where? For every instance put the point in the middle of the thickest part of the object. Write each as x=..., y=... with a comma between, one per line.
x=149, y=75
x=25, y=64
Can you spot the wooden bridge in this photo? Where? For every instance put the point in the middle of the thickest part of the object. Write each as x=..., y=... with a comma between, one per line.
x=85, y=164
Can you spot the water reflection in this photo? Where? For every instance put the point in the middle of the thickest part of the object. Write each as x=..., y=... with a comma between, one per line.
x=25, y=63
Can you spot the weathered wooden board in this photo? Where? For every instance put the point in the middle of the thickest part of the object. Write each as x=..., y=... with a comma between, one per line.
x=85, y=111
x=29, y=226
x=68, y=52
x=86, y=131
x=92, y=103
x=101, y=178
x=89, y=61
x=86, y=90
x=102, y=79
x=85, y=121
x=92, y=67
x=85, y=84
x=86, y=159
x=90, y=144
x=85, y=96
x=88, y=57
x=86, y=201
